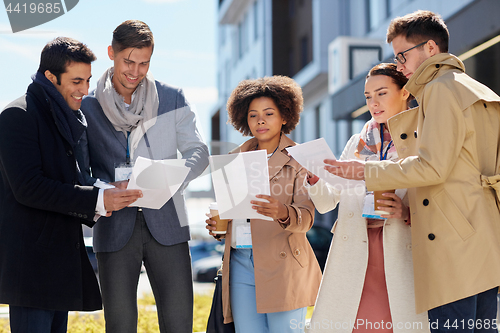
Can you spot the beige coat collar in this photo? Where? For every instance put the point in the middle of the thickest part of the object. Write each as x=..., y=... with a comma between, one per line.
x=279, y=158
x=431, y=69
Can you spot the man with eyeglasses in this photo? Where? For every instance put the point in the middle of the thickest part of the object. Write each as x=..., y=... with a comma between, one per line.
x=450, y=163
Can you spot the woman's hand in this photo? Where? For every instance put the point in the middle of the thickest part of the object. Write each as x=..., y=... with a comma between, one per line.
x=398, y=210
x=274, y=209
x=312, y=179
x=211, y=226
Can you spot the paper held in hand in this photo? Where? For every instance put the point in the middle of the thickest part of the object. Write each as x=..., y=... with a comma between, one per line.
x=237, y=179
x=158, y=180
x=311, y=156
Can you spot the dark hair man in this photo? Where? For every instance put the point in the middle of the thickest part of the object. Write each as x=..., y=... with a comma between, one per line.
x=44, y=268
x=450, y=150
x=131, y=115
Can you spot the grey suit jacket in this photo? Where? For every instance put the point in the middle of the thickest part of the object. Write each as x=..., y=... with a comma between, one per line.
x=103, y=147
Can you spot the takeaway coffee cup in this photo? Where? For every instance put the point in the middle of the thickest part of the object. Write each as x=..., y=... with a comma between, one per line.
x=221, y=226
x=377, y=195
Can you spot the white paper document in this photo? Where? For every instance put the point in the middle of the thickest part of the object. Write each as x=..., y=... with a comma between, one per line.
x=311, y=155
x=237, y=179
x=158, y=180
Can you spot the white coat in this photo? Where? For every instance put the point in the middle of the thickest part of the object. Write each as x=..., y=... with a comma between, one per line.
x=343, y=278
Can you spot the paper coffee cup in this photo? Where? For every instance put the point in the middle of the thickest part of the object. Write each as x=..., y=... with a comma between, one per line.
x=377, y=195
x=221, y=226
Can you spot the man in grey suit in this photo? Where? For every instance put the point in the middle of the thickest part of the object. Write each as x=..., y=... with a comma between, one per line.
x=131, y=115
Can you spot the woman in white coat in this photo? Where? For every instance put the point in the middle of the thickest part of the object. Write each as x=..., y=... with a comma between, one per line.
x=367, y=283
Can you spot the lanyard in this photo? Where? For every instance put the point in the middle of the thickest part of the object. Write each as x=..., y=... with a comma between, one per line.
x=128, y=147
x=268, y=155
x=147, y=145
x=382, y=155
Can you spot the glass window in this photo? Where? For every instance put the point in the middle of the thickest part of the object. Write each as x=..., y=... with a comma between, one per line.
x=357, y=125
x=246, y=33
x=304, y=51
x=317, y=116
x=222, y=35
x=240, y=40
x=291, y=9
x=255, y=21
x=343, y=134
x=377, y=10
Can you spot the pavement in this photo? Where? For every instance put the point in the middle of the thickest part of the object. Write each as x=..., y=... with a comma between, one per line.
x=144, y=287
x=4, y=312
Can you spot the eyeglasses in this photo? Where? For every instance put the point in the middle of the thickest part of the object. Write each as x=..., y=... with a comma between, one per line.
x=400, y=56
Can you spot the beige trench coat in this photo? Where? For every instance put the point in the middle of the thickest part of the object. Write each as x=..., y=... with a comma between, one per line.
x=344, y=275
x=287, y=274
x=447, y=144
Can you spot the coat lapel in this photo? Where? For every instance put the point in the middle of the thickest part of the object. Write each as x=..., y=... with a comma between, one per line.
x=404, y=132
x=118, y=134
x=280, y=157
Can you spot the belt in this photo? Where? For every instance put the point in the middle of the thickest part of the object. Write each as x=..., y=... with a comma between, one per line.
x=492, y=182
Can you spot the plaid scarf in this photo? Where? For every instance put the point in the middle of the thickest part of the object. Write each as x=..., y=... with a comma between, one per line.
x=370, y=144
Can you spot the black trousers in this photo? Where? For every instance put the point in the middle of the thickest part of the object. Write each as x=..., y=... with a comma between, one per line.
x=169, y=272
x=23, y=319
x=474, y=314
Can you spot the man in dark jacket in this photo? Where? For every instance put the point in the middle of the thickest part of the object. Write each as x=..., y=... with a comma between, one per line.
x=44, y=269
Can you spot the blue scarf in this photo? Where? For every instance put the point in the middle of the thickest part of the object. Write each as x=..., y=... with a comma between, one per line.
x=70, y=123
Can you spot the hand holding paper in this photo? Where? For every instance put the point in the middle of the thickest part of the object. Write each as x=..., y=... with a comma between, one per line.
x=312, y=155
x=237, y=180
x=273, y=208
x=158, y=180
x=116, y=199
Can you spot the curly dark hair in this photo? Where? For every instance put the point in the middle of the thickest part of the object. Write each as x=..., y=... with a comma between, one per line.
x=284, y=91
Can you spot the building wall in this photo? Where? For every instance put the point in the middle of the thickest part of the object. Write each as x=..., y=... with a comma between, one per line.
x=370, y=19
x=268, y=43
x=242, y=54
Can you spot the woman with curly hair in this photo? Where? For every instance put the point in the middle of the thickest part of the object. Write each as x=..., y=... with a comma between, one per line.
x=268, y=287
x=368, y=278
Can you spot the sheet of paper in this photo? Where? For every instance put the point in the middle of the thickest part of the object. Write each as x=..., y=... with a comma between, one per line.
x=237, y=179
x=311, y=155
x=158, y=180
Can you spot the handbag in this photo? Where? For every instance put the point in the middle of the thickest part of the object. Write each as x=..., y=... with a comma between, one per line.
x=215, y=322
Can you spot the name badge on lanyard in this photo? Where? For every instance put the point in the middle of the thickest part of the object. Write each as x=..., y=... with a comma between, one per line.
x=243, y=237
x=123, y=171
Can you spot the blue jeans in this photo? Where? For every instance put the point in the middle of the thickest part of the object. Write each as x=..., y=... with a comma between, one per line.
x=473, y=314
x=23, y=319
x=244, y=306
